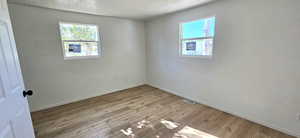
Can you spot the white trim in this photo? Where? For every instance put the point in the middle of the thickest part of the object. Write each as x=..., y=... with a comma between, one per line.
x=202, y=18
x=200, y=56
x=243, y=116
x=104, y=92
x=81, y=57
x=199, y=38
x=99, y=47
x=181, y=39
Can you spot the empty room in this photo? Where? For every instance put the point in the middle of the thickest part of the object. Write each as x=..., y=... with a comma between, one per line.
x=149, y=69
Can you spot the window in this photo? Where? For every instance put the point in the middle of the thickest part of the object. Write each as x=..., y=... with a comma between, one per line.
x=79, y=40
x=197, y=38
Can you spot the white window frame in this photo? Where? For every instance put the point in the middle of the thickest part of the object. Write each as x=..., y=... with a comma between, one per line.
x=80, y=57
x=196, y=38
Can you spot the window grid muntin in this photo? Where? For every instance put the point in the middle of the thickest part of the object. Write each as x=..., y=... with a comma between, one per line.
x=196, y=38
x=99, y=48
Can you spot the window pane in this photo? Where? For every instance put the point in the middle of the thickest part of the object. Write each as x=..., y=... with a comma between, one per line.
x=199, y=28
x=197, y=47
x=79, y=40
x=81, y=49
x=78, y=32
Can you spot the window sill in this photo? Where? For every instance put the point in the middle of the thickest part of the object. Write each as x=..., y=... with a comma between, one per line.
x=81, y=57
x=201, y=57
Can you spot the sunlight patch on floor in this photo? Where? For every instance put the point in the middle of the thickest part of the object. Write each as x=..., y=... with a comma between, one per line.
x=189, y=132
x=128, y=132
x=185, y=132
x=144, y=124
x=169, y=124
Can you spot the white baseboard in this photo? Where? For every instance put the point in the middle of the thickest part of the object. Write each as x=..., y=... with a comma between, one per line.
x=82, y=98
x=244, y=116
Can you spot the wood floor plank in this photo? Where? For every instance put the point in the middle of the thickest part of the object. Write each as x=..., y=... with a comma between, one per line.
x=144, y=110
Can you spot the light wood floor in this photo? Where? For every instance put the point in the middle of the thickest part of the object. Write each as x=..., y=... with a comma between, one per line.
x=149, y=113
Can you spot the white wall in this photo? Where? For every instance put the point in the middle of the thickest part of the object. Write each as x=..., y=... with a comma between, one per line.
x=56, y=81
x=255, y=71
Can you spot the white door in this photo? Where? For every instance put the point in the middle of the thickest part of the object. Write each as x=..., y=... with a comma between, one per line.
x=15, y=120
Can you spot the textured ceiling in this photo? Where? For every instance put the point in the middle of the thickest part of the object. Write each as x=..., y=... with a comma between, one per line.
x=134, y=9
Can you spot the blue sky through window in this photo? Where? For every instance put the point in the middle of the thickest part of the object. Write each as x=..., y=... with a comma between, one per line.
x=199, y=28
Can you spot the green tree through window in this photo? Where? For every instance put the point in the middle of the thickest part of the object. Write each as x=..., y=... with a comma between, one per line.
x=79, y=40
